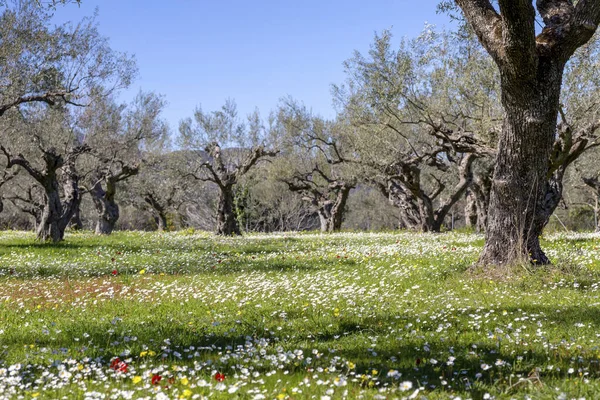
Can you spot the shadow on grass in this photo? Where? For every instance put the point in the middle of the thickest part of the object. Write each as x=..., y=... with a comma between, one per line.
x=459, y=359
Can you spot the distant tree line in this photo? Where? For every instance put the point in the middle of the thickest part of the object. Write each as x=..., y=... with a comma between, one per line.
x=413, y=144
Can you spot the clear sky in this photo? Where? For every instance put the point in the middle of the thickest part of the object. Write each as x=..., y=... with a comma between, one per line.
x=203, y=52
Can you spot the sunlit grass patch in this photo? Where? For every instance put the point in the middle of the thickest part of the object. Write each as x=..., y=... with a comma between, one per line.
x=385, y=315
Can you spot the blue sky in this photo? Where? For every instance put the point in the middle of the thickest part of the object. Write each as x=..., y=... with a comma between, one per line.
x=203, y=52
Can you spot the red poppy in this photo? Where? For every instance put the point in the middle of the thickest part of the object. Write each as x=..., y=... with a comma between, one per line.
x=418, y=361
x=219, y=377
x=119, y=366
x=114, y=272
x=155, y=379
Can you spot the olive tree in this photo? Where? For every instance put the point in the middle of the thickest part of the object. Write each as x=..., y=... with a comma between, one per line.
x=531, y=66
x=225, y=148
x=120, y=136
x=416, y=131
x=41, y=62
x=46, y=72
x=313, y=163
x=49, y=154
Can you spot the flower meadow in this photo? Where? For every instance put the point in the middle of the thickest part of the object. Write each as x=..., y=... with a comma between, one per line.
x=294, y=316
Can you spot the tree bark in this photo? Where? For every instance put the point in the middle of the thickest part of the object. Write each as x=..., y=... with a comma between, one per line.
x=227, y=223
x=161, y=222
x=420, y=210
x=158, y=210
x=531, y=68
x=331, y=212
x=478, y=199
x=56, y=214
x=339, y=206
x=324, y=218
x=107, y=209
x=520, y=177
x=76, y=223
x=471, y=209
x=49, y=227
x=405, y=202
x=594, y=184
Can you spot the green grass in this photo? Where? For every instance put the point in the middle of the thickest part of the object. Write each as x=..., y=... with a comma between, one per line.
x=294, y=316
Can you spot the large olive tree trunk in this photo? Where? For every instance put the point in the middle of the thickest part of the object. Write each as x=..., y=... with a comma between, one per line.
x=227, y=223
x=327, y=200
x=48, y=228
x=107, y=209
x=58, y=212
x=531, y=67
x=425, y=211
x=520, y=177
x=76, y=223
x=158, y=210
x=331, y=212
x=226, y=177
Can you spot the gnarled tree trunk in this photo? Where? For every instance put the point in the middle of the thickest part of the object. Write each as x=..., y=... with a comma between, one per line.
x=531, y=67
x=520, y=177
x=57, y=213
x=107, y=209
x=418, y=208
x=338, y=208
x=594, y=184
x=76, y=223
x=470, y=209
x=227, y=223
x=477, y=202
x=104, y=199
x=158, y=210
x=331, y=212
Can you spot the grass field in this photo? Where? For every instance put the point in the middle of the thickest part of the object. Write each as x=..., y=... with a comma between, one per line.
x=294, y=316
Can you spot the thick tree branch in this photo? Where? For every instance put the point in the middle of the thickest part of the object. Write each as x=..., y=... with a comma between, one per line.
x=20, y=161
x=255, y=155
x=466, y=178
x=518, y=36
x=555, y=12
x=567, y=27
x=487, y=24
